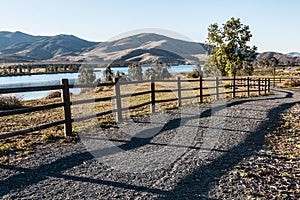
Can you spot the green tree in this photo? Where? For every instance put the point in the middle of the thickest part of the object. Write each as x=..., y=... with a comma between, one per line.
x=29, y=69
x=228, y=46
x=157, y=72
x=135, y=71
x=274, y=62
x=20, y=69
x=9, y=69
x=86, y=75
x=15, y=70
x=108, y=74
x=119, y=74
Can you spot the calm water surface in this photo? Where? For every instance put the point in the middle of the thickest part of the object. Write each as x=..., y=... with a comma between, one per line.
x=54, y=79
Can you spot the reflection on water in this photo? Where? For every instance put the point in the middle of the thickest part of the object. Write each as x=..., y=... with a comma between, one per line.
x=54, y=79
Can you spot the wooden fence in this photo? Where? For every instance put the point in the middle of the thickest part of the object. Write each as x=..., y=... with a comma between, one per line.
x=236, y=86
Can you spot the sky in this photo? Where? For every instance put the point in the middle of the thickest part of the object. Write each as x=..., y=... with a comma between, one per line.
x=275, y=24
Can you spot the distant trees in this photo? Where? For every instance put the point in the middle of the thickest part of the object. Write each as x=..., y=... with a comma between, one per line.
x=108, y=74
x=135, y=71
x=229, y=49
x=273, y=62
x=158, y=72
x=86, y=75
x=196, y=73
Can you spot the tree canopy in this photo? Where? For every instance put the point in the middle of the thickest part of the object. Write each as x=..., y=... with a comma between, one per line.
x=229, y=51
x=108, y=73
x=86, y=75
x=135, y=71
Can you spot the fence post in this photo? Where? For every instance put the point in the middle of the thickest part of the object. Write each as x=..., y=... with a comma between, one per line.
x=258, y=86
x=118, y=100
x=233, y=87
x=201, y=89
x=179, y=91
x=152, y=95
x=248, y=86
x=67, y=107
x=265, y=81
x=217, y=88
x=269, y=85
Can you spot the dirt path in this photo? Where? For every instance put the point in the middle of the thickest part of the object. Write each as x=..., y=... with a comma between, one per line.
x=177, y=155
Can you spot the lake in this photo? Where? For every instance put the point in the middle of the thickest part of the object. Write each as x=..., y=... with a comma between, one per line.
x=54, y=79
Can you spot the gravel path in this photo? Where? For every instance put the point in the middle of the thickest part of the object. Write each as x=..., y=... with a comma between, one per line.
x=181, y=154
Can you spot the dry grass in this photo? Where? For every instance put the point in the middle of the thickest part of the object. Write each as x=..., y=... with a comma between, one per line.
x=10, y=102
x=290, y=83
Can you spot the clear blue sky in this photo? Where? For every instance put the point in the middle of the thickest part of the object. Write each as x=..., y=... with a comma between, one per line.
x=274, y=23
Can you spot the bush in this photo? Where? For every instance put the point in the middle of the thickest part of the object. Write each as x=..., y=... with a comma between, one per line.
x=290, y=83
x=10, y=102
x=193, y=74
x=86, y=75
x=53, y=95
x=227, y=85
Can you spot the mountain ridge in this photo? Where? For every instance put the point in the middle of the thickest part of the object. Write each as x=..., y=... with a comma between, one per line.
x=151, y=47
x=142, y=47
x=282, y=58
x=44, y=47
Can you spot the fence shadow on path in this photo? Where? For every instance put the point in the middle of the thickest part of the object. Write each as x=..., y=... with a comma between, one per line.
x=208, y=175
x=28, y=177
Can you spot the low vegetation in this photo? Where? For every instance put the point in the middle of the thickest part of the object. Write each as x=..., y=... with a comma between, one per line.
x=290, y=83
x=10, y=102
x=54, y=94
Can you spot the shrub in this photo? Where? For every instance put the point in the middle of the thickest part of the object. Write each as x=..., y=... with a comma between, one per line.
x=10, y=102
x=193, y=74
x=54, y=94
x=86, y=75
x=227, y=85
x=290, y=83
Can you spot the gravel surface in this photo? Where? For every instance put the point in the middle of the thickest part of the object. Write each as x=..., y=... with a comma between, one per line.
x=180, y=154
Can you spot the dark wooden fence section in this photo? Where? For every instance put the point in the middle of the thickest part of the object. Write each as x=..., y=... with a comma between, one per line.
x=210, y=87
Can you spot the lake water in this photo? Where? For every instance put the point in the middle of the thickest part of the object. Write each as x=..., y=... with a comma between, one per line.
x=54, y=79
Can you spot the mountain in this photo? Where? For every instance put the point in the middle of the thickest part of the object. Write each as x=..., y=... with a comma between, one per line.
x=11, y=38
x=146, y=48
x=293, y=54
x=27, y=47
x=282, y=58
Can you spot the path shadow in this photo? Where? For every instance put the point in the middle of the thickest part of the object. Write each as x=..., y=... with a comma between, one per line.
x=197, y=184
x=55, y=169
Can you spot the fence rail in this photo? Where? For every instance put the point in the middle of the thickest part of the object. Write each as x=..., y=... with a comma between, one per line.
x=236, y=85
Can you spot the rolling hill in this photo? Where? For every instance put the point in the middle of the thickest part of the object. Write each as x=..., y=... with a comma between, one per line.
x=42, y=47
x=146, y=48
x=11, y=38
x=293, y=54
x=282, y=58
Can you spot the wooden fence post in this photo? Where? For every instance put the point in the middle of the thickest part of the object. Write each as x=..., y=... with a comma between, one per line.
x=233, y=87
x=179, y=91
x=67, y=107
x=118, y=100
x=152, y=95
x=217, y=88
x=248, y=86
x=201, y=89
x=258, y=86
x=265, y=82
x=269, y=85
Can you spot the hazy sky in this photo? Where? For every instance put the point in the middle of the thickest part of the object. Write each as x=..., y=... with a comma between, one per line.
x=275, y=24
